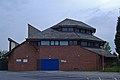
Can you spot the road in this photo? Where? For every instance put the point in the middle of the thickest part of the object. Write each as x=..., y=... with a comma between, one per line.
x=58, y=75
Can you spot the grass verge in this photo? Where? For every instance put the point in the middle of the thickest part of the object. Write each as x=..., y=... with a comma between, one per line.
x=112, y=69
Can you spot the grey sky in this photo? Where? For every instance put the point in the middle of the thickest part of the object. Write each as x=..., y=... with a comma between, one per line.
x=16, y=14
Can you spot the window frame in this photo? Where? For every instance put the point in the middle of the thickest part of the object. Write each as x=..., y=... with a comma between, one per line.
x=62, y=43
x=84, y=43
x=64, y=29
x=72, y=43
x=70, y=29
x=48, y=44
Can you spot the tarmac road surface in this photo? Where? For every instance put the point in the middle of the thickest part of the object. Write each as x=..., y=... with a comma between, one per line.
x=58, y=75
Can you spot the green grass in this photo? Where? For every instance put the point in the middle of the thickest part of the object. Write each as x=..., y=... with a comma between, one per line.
x=112, y=69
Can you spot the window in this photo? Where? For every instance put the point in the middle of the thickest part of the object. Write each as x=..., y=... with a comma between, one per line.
x=56, y=42
x=18, y=60
x=70, y=29
x=62, y=43
x=45, y=42
x=89, y=44
x=83, y=43
x=77, y=30
x=39, y=44
x=88, y=32
x=52, y=42
x=96, y=45
x=92, y=44
x=72, y=42
x=25, y=60
x=82, y=31
x=64, y=29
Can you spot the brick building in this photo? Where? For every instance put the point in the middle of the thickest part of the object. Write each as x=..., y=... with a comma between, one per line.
x=69, y=45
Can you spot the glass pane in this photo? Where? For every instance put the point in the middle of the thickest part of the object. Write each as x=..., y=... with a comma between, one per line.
x=83, y=43
x=45, y=42
x=75, y=42
x=56, y=43
x=52, y=42
x=96, y=45
x=70, y=42
x=82, y=31
x=63, y=42
x=38, y=43
x=70, y=29
x=77, y=30
x=64, y=29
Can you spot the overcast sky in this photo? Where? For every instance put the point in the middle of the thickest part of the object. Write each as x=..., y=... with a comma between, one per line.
x=16, y=14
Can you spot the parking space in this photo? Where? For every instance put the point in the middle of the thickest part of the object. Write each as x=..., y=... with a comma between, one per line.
x=58, y=75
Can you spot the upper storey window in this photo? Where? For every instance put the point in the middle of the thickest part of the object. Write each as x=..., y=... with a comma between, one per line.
x=54, y=42
x=62, y=43
x=82, y=31
x=78, y=30
x=72, y=42
x=83, y=43
x=67, y=29
x=88, y=32
x=70, y=29
x=45, y=43
x=64, y=29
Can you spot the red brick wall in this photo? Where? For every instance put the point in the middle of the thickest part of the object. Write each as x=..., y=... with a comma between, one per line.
x=24, y=51
x=77, y=58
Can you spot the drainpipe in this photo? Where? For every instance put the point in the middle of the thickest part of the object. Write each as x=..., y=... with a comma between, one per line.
x=102, y=57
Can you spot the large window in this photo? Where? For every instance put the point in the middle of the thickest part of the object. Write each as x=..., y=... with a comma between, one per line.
x=62, y=43
x=45, y=42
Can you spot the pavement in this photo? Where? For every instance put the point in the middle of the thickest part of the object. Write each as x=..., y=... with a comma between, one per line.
x=58, y=75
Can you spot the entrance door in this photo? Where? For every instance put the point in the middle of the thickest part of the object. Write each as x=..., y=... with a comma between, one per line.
x=49, y=64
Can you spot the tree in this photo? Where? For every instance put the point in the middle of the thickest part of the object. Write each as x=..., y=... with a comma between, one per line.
x=117, y=37
x=107, y=47
x=1, y=53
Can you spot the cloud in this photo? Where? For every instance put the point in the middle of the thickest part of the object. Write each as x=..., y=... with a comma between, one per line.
x=105, y=23
x=9, y=5
x=15, y=14
x=107, y=5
